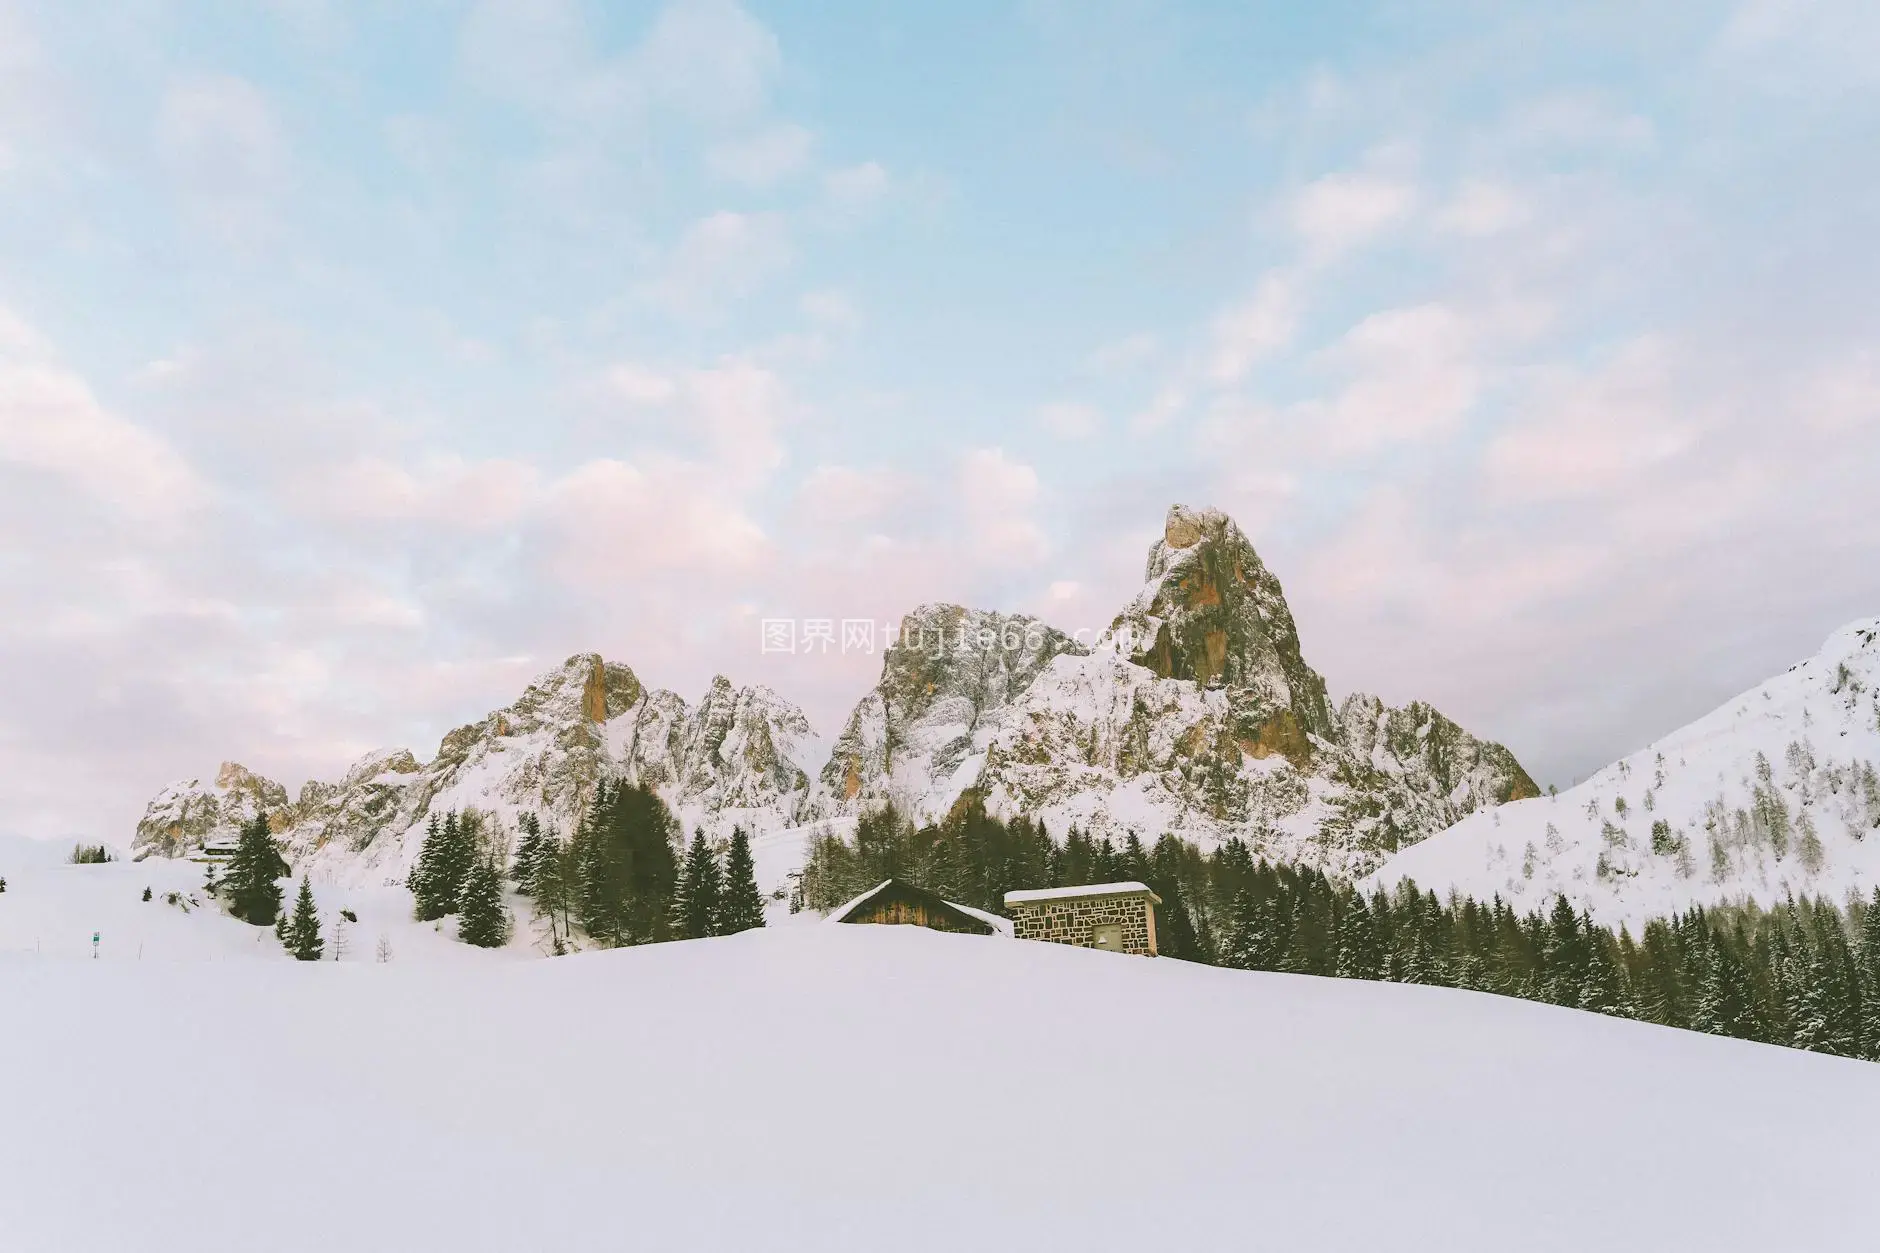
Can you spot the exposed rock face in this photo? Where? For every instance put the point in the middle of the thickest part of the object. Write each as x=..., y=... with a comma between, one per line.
x=1212, y=613
x=1195, y=713
x=189, y=813
x=743, y=755
x=920, y=737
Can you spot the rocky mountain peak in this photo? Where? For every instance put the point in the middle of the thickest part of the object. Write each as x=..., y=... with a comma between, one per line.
x=1212, y=613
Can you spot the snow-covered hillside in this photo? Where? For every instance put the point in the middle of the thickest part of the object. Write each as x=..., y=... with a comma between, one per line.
x=1775, y=793
x=1194, y=713
x=740, y=756
x=52, y=909
x=833, y=1087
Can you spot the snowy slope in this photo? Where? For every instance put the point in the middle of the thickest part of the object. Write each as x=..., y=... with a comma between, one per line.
x=51, y=909
x=1775, y=792
x=841, y=1087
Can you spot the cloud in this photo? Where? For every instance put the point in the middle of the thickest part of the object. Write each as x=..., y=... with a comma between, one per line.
x=639, y=386
x=830, y=307
x=1069, y=420
x=1339, y=212
x=1122, y=356
x=617, y=519
x=853, y=192
x=1481, y=208
x=1576, y=119
x=761, y=159
x=51, y=423
x=1800, y=47
x=1412, y=375
x=708, y=61
x=997, y=496
x=1592, y=433
x=444, y=490
x=220, y=140
x=848, y=497
x=708, y=58
x=719, y=259
x=1257, y=327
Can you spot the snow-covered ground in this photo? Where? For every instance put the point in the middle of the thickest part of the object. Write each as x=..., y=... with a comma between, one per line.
x=830, y=1087
x=52, y=909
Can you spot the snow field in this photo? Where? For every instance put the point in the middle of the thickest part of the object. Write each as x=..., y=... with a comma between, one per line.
x=844, y=1086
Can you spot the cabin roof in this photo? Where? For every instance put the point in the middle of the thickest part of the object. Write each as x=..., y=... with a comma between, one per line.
x=849, y=910
x=1033, y=896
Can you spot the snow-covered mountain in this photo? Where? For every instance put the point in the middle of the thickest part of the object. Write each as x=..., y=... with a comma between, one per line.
x=189, y=812
x=742, y=755
x=1776, y=792
x=1195, y=713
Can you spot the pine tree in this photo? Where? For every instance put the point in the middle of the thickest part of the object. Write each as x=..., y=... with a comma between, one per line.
x=252, y=885
x=742, y=908
x=482, y=919
x=550, y=877
x=1357, y=942
x=1727, y=1005
x=697, y=902
x=444, y=862
x=1604, y=990
x=528, y=853
x=303, y=933
x=1867, y=963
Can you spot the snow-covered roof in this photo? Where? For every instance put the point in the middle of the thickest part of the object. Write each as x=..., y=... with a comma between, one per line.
x=1031, y=895
x=842, y=912
x=1002, y=926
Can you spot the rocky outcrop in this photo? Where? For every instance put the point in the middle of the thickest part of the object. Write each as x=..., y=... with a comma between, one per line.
x=1195, y=713
x=920, y=737
x=743, y=755
x=190, y=813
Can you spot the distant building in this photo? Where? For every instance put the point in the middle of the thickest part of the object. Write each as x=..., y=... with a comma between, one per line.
x=1119, y=917
x=218, y=851
x=897, y=902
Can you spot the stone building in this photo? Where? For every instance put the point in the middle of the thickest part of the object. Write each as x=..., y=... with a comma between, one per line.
x=1119, y=917
x=895, y=902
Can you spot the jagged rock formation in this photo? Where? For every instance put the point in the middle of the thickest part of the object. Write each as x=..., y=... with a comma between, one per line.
x=919, y=738
x=189, y=812
x=1194, y=713
x=743, y=755
x=1776, y=793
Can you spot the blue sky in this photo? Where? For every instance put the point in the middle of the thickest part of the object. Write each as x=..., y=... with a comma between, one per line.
x=358, y=362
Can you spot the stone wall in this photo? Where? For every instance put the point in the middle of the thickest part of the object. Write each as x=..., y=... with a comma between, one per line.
x=1074, y=920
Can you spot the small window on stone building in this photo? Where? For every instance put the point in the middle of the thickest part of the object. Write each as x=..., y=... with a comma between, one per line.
x=1108, y=935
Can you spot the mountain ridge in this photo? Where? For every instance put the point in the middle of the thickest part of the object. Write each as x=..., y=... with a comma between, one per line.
x=1776, y=792
x=1194, y=712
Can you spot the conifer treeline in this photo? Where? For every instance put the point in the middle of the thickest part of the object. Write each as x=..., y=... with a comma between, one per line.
x=458, y=872
x=1805, y=974
x=620, y=880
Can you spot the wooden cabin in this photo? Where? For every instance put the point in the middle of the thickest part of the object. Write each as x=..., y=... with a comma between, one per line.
x=895, y=902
